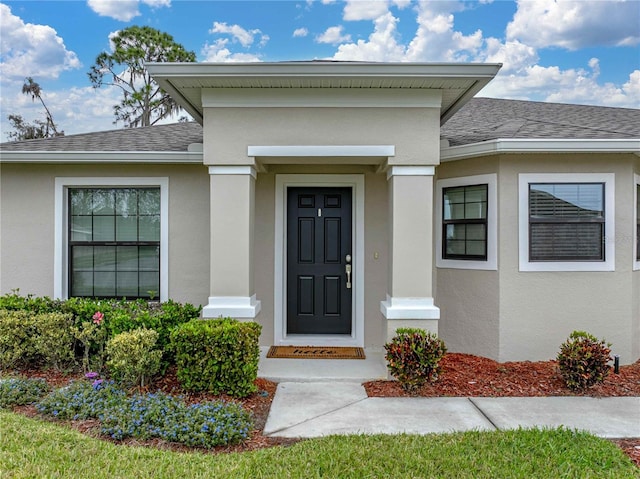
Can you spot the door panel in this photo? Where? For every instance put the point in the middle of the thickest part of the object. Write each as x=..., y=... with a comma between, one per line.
x=318, y=242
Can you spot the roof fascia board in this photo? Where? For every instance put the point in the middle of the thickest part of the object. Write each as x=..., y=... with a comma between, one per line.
x=501, y=146
x=132, y=157
x=324, y=69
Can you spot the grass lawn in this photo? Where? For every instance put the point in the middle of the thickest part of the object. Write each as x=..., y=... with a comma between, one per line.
x=32, y=448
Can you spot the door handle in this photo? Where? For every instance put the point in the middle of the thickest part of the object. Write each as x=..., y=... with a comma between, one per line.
x=348, y=269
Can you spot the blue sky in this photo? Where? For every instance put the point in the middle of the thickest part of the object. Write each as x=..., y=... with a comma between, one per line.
x=585, y=51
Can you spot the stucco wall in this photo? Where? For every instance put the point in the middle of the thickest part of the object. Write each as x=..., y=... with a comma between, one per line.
x=468, y=299
x=538, y=310
x=414, y=131
x=375, y=242
x=27, y=225
x=512, y=315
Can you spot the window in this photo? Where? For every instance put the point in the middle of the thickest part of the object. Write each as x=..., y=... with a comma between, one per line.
x=566, y=222
x=466, y=230
x=114, y=242
x=568, y=219
x=464, y=218
x=111, y=237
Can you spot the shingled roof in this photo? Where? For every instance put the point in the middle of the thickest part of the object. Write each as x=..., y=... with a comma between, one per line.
x=171, y=137
x=481, y=119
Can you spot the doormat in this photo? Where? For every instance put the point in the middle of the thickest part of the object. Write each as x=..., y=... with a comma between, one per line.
x=311, y=352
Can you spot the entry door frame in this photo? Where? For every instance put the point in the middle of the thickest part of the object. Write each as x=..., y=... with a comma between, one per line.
x=356, y=183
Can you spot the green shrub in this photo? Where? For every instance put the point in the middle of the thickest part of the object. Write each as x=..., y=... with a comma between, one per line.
x=29, y=339
x=133, y=357
x=583, y=359
x=217, y=355
x=53, y=339
x=21, y=391
x=413, y=357
x=17, y=347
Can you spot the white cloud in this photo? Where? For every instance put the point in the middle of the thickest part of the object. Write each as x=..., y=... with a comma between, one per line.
x=436, y=39
x=27, y=49
x=515, y=56
x=300, y=32
x=575, y=24
x=364, y=9
x=333, y=35
x=239, y=34
x=218, y=52
x=123, y=10
x=381, y=45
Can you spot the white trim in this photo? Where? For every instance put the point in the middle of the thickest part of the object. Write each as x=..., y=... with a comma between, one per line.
x=319, y=98
x=507, y=145
x=636, y=185
x=524, y=179
x=233, y=170
x=491, y=262
x=410, y=171
x=409, y=308
x=240, y=307
x=60, y=266
x=356, y=182
x=322, y=151
x=128, y=157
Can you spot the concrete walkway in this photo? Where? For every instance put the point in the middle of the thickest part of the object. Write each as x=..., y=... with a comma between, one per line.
x=312, y=409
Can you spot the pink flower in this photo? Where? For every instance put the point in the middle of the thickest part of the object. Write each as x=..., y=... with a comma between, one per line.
x=98, y=317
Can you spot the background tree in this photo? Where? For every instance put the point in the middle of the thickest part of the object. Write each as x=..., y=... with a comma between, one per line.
x=144, y=103
x=32, y=89
x=26, y=131
x=38, y=129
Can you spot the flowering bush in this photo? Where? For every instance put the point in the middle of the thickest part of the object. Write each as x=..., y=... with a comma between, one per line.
x=413, y=357
x=583, y=359
x=208, y=424
x=144, y=416
x=21, y=391
x=82, y=400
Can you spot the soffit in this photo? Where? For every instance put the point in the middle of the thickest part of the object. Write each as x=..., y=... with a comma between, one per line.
x=457, y=82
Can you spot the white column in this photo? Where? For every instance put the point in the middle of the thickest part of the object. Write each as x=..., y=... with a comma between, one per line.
x=409, y=300
x=232, y=206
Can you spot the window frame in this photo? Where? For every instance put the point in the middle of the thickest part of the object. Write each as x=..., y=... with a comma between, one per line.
x=491, y=263
x=636, y=223
x=608, y=181
x=61, y=236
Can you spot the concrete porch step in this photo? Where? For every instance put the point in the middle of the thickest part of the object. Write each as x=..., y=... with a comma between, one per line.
x=332, y=370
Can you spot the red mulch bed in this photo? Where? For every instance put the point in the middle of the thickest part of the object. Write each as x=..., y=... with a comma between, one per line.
x=463, y=375
x=467, y=375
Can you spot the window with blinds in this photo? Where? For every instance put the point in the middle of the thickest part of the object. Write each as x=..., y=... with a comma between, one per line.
x=464, y=222
x=114, y=242
x=638, y=222
x=566, y=222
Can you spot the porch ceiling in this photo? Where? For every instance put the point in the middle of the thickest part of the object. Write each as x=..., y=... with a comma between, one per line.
x=458, y=82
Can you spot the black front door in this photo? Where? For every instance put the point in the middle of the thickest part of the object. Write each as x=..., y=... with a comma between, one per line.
x=318, y=257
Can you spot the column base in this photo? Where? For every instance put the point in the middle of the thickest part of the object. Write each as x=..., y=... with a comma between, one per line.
x=238, y=307
x=410, y=313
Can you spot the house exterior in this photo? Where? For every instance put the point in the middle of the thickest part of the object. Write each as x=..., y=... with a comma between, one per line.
x=335, y=202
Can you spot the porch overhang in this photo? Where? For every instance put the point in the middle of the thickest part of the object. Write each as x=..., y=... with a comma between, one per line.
x=458, y=82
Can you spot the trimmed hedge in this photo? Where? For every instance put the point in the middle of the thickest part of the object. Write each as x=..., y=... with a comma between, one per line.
x=30, y=338
x=217, y=355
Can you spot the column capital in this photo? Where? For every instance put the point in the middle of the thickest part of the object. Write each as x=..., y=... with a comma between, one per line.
x=233, y=170
x=405, y=170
